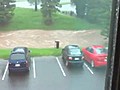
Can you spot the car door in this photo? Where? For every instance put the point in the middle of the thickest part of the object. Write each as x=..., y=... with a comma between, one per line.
x=85, y=53
x=64, y=52
x=28, y=55
x=89, y=54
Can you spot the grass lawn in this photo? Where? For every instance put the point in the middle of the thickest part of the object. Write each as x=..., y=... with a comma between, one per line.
x=29, y=19
x=34, y=52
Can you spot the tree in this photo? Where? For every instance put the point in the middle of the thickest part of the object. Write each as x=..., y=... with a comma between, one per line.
x=80, y=7
x=34, y=2
x=95, y=11
x=6, y=10
x=48, y=8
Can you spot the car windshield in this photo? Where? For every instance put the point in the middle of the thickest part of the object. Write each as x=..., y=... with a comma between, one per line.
x=101, y=51
x=75, y=52
x=17, y=56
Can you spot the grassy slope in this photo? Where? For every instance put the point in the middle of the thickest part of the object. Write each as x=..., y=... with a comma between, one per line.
x=30, y=19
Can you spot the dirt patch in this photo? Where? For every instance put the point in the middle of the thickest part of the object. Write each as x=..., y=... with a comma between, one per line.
x=46, y=39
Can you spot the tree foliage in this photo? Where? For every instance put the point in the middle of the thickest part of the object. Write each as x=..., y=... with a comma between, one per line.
x=80, y=7
x=6, y=10
x=48, y=8
x=95, y=11
x=33, y=1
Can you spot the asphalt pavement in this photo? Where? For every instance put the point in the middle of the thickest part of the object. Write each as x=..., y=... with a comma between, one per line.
x=50, y=73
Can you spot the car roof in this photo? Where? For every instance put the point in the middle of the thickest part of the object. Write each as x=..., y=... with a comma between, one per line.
x=97, y=46
x=19, y=50
x=73, y=46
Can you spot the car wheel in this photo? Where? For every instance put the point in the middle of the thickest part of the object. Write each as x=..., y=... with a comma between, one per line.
x=92, y=64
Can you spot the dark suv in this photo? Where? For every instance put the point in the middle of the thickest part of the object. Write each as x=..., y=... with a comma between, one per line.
x=19, y=59
x=71, y=54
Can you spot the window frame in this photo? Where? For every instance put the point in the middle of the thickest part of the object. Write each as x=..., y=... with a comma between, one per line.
x=112, y=80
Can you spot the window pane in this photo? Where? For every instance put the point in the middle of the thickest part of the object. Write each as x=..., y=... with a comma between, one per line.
x=47, y=27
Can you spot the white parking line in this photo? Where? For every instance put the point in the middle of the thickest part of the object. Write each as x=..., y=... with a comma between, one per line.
x=88, y=68
x=3, y=77
x=34, y=70
x=60, y=66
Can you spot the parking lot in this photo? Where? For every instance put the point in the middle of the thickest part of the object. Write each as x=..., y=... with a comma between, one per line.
x=50, y=73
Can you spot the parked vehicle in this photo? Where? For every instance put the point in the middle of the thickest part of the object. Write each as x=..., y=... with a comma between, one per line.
x=19, y=59
x=96, y=55
x=21, y=50
x=71, y=54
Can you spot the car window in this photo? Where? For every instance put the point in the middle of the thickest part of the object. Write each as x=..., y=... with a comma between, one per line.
x=75, y=51
x=73, y=46
x=101, y=51
x=17, y=56
x=87, y=48
x=19, y=50
x=90, y=49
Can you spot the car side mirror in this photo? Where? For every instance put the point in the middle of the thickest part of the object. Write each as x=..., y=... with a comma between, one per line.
x=29, y=51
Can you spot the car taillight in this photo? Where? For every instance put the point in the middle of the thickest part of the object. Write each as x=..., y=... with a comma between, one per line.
x=70, y=58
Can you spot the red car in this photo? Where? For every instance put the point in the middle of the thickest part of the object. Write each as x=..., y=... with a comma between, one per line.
x=96, y=55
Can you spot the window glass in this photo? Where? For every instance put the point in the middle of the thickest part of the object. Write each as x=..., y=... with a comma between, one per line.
x=17, y=57
x=75, y=51
x=48, y=26
x=101, y=51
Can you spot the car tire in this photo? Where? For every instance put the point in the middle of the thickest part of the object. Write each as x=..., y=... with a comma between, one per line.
x=92, y=64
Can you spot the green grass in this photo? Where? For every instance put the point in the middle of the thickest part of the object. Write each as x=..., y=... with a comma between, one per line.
x=34, y=52
x=45, y=52
x=5, y=53
x=30, y=19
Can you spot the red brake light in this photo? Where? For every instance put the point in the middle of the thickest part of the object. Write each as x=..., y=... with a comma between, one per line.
x=69, y=58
